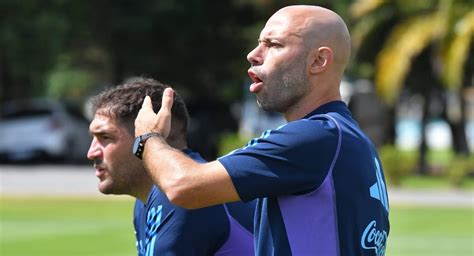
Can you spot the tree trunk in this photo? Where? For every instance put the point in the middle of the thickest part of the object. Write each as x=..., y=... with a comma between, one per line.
x=391, y=122
x=458, y=129
x=422, y=162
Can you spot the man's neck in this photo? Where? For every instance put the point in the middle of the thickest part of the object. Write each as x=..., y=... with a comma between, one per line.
x=307, y=104
x=145, y=190
x=177, y=144
x=142, y=195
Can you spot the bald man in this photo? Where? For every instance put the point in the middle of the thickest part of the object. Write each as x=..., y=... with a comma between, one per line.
x=318, y=179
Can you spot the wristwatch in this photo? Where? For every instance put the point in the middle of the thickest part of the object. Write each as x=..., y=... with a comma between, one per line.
x=139, y=143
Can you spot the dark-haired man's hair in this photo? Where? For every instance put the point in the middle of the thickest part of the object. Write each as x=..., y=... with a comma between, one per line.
x=123, y=102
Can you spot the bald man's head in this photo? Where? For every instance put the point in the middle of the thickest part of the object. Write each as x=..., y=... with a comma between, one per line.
x=318, y=27
x=299, y=61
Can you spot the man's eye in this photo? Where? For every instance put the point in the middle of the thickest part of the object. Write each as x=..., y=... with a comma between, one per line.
x=274, y=45
x=104, y=137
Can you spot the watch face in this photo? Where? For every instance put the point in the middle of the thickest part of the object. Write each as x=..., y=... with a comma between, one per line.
x=136, y=145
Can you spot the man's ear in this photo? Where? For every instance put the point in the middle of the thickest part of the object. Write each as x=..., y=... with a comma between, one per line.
x=321, y=58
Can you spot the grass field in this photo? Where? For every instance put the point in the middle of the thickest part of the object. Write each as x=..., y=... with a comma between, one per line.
x=66, y=226
x=433, y=231
x=98, y=226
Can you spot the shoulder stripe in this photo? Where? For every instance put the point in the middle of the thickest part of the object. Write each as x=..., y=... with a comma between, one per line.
x=339, y=142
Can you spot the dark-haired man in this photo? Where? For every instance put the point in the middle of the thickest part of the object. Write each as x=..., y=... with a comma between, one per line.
x=161, y=227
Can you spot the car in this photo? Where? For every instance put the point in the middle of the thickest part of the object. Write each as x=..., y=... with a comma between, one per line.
x=43, y=129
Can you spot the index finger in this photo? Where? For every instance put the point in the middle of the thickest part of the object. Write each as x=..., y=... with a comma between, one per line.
x=147, y=103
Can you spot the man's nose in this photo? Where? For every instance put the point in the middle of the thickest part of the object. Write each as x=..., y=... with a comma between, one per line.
x=94, y=150
x=255, y=57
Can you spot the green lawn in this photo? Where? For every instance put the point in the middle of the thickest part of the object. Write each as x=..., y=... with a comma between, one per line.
x=103, y=226
x=66, y=226
x=433, y=231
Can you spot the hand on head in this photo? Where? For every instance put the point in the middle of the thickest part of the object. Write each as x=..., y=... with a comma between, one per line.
x=148, y=121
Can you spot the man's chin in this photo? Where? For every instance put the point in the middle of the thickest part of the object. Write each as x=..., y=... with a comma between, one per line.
x=106, y=190
x=110, y=191
x=261, y=105
x=264, y=107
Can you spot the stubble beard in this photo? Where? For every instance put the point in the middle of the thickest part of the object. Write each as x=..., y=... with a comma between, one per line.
x=120, y=179
x=284, y=87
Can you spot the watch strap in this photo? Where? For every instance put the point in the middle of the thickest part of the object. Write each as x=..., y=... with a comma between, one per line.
x=141, y=142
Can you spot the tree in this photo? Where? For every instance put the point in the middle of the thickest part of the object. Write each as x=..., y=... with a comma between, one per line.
x=438, y=35
x=30, y=39
x=73, y=48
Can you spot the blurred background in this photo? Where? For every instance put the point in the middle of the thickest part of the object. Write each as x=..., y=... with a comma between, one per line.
x=410, y=85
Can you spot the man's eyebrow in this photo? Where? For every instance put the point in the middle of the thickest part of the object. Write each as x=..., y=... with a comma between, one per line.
x=99, y=132
x=278, y=38
x=269, y=39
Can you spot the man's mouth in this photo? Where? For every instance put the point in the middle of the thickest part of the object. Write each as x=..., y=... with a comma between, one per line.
x=99, y=171
x=257, y=82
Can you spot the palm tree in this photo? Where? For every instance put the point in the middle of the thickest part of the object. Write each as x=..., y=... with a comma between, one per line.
x=423, y=44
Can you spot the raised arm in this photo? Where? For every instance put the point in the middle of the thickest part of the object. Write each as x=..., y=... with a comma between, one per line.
x=185, y=182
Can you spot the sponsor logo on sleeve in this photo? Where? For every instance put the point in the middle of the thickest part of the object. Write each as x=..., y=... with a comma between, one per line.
x=374, y=239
